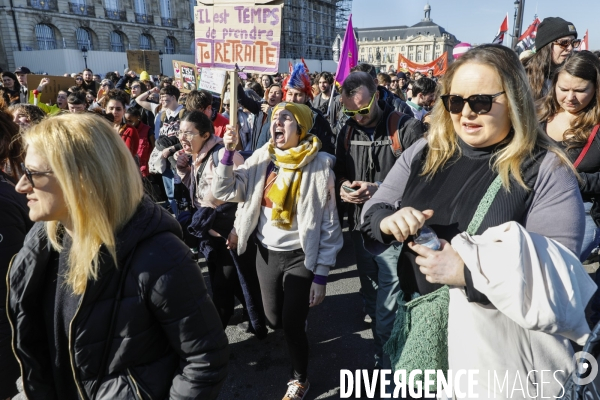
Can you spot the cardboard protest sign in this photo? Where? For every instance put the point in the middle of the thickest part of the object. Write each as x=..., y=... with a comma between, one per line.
x=186, y=77
x=144, y=60
x=50, y=92
x=439, y=65
x=212, y=80
x=230, y=34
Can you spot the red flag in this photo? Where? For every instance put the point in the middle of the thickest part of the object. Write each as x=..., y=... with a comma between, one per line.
x=499, y=39
x=304, y=62
x=584, y=42
x=527, y=39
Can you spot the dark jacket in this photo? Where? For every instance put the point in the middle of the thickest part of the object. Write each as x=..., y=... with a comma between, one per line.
x=394, y=101
x=167, y=340
x=352, y=162
x=322, y=130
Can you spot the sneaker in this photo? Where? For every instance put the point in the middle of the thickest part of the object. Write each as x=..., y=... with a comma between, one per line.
x=296, y=390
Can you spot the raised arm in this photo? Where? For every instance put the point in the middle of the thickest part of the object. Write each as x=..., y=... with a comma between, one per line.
x=142, y=99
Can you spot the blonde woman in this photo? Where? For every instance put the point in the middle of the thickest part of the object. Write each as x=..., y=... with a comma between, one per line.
x=104, y=299
x=484, y=134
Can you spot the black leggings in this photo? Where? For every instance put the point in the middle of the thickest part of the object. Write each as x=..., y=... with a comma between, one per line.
x=224, y=280
x=285, y=286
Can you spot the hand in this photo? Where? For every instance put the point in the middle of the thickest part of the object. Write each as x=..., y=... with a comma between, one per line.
x=166, y=153
x=232, y=241
x=44, y=82
x=155, y=89
x=317, y=294
x=265, y=107
x=132, y=74
x=404, y=222
x=230, y=138
x=365, y=190
x=444, y=266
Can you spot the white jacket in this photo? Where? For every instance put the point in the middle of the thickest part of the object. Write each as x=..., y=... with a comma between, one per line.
x=538, y=291
x=318, y=222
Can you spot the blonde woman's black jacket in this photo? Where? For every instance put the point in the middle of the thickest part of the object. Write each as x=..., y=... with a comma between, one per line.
x=167, y=339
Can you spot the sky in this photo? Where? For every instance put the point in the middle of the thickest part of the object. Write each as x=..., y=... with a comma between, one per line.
x=475, y=21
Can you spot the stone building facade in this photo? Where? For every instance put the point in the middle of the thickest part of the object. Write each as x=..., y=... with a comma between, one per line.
x=105, y=25
x=420, y=43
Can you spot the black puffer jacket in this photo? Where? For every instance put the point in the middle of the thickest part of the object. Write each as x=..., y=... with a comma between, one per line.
x=167, y=340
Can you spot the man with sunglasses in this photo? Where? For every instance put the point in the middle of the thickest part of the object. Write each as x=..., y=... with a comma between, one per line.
x=364, y=156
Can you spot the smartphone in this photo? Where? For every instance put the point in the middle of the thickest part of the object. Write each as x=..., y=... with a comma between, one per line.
x=348, y=189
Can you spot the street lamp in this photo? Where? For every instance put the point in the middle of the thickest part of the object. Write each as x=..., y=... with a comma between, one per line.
x=516, y=35
x=84, y=51
x=160, y=54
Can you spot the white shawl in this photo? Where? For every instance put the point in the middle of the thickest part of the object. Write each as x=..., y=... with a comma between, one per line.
x=538, y=291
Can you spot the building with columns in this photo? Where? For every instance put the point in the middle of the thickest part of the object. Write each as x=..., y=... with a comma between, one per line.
x=420, y=43
x=98, y=25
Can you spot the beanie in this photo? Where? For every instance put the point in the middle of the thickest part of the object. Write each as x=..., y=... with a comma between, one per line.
x=301, y=112
x=460, y=49
x=144, y=76
x=298, y=80
x=553, y=28
x=401, y=75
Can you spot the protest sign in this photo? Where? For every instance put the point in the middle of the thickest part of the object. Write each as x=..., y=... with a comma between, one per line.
x=230, y=34
x=438, y=65
x=186, y=77
x=144, y=60
x=212, y=79
x=56, y=84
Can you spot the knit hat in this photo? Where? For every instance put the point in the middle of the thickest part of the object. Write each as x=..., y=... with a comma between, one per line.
x=553, y=28
x=460, y=49
x=301, y=112
x=144, y=76
x=298, y=80
x=401, y=75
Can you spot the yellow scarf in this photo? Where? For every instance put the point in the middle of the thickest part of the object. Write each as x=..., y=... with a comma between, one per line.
x=285, y=190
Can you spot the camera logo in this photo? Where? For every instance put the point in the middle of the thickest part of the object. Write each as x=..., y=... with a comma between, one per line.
x=586, y=368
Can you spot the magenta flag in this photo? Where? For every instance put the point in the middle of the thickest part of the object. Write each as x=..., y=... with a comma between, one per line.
x=348, y=54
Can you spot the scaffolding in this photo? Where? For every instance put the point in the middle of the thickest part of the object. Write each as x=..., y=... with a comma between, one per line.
x=310, y=27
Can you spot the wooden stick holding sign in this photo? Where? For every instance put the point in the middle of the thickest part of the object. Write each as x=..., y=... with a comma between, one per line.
x=233, y=118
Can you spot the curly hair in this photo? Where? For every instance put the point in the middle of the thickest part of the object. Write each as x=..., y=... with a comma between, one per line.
x=584, y=65
x=34, y=113
x=117, y=95
x=11, y=149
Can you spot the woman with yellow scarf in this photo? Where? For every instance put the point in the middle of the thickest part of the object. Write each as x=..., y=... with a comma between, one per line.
x=287, y=193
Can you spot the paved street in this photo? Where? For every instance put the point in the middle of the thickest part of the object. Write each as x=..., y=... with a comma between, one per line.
x=338, y=336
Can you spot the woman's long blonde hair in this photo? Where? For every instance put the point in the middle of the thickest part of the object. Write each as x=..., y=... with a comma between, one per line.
x=443, y=140
x=100, y=182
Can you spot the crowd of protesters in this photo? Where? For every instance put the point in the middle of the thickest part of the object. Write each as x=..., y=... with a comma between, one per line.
x=110, y=193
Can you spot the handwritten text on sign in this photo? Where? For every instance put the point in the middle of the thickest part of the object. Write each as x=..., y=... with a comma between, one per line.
x=245, y=35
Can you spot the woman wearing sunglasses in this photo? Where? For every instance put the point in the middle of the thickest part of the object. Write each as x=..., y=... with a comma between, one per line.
x=485, y=162
x=554, y=42
x=287, y=191
x=104, y=298
x=570, y=115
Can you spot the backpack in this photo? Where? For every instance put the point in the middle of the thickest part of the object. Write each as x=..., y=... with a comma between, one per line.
x=393, y=129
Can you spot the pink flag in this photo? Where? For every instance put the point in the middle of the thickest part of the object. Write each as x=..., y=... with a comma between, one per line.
x=348, y=54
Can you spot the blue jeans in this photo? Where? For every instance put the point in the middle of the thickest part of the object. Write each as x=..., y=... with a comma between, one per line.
x=379, y=287
x=591, y=237
x=168, y=180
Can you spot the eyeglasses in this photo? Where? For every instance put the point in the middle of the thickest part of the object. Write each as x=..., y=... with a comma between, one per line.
x=566, y=42
x=394, y=80
x=226, y=105
x=186, y=135
x=479, y=103
x=362, y=111
x=104, y=84
x=136, y=87
x=29, y=174
x=78, y=79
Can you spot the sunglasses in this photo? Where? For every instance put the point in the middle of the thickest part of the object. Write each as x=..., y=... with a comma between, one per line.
x=394, y=80
x=362, y=111
x=566, y=42
x=136, y=87
x=479, y=103
x=29, y=174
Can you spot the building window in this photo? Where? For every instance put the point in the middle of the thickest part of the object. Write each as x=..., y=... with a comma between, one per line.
x=145, y=42
x=192, y=5
x=419, y=56
x=45, y=37
x=428, y=47
x=112, y=5
x=169, y=45
x=116, y=41
x=437, y=55
x=140, y=7
x=392, y=49
x=403, y=48
x=370, y=50
x=437, y=46
x=362, y=50
x=165, y=8
x=84, y=38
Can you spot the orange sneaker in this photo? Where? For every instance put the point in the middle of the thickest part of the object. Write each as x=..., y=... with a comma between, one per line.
x=296, y=390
